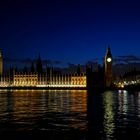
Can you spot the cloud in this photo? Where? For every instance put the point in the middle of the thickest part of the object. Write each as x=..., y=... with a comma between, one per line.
x=71, y=65
x=124, y=59
x=127, y=59
x=9, y=60
x=28, y=61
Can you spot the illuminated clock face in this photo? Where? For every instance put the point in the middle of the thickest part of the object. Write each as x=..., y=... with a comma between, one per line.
x=109, y=59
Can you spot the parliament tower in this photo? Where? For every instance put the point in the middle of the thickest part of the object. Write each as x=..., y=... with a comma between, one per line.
x=108, y=68
x=1, y=63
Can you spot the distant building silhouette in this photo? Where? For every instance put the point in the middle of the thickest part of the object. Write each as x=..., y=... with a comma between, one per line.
x=79, y=69
x=89, y=75
x=39, y=67
x=32, y=67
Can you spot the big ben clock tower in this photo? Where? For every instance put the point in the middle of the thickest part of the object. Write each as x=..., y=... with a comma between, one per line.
x=108, y=68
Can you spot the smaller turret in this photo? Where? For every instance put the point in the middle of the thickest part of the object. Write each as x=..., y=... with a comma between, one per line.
x=1, y=62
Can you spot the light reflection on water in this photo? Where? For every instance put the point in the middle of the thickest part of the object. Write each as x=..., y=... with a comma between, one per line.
x=109, y=114
x=108, y=122
x=29, y=110
x=113, y=114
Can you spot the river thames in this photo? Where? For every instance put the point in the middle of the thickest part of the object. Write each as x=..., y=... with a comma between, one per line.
x=71, y=114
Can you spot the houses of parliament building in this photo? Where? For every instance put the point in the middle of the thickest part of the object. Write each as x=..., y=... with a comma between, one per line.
x=38, y=77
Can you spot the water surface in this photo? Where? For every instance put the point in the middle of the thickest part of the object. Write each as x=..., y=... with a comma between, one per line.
x=87, y=114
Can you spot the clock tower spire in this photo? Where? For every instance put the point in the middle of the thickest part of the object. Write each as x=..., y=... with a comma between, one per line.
x=108, y=67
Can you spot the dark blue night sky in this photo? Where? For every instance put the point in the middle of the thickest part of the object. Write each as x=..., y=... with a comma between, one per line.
x=69, y=30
